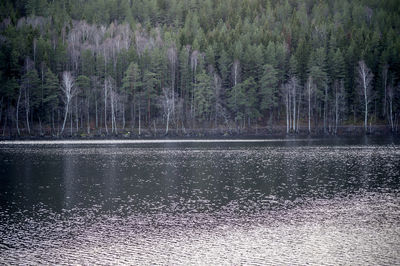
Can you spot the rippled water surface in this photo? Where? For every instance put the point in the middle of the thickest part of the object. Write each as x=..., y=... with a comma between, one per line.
x=332, y=201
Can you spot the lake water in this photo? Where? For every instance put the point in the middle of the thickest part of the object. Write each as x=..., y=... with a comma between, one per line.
x=283, y=201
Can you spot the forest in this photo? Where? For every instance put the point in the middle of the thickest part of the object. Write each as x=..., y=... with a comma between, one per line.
x=78, y=67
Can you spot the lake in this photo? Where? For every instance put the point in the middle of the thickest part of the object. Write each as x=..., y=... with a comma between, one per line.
x=280, y=201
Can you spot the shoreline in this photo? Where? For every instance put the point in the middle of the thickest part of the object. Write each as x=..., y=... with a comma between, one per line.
x=273, y=132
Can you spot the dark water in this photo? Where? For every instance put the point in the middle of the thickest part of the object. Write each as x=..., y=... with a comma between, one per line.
x=326, y=201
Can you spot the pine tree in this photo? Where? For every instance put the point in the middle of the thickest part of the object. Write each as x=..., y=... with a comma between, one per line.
x=50, y=99
x=268, y=92
x=203, y=96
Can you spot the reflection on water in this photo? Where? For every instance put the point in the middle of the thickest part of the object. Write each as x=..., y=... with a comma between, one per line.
x=305, y=201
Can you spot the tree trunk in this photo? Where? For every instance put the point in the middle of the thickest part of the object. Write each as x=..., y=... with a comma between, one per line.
x=112, y=111
x=298, y=112
x=166, y=129
x=287, y=114
x=133, y=115
x=391, y=113
x=384, y=74
x=88, y=116
x=19, y=99
x=52, y=121
x=366, y=110
x=70, y=119
x=27, y=111
x=40, y=125
x=105, y=106
x=58, y=122
x=5, y=121
x=65, y=118
x=309, y=110
x=113, y=117
x=139, y=118
x=76, y=115
x=294, y=109
x=336, y=112
x=148, y=110
x=97, y=116
x=325, y=108
x=123, y=116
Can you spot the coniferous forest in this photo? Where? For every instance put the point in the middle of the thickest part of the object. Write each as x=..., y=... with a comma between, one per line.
x=79, y=67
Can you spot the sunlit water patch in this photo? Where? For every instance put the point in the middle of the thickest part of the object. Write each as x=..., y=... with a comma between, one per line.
x=200, y=203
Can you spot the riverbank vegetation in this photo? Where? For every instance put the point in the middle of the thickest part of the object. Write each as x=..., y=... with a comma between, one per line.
x=106, y=67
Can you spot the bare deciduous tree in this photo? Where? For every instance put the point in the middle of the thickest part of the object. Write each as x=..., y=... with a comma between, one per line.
x=173, y=59
x=193, y=64
x=167, y=102
x=391, y=91
x=114, y=97
x=384, y=84
x=18, y=101
x=310, y=89
x=286, y=97
x=69, y=90
x=106, y=89
x=365, y=87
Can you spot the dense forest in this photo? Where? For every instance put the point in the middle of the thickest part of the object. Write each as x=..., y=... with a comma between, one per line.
x=110, y=67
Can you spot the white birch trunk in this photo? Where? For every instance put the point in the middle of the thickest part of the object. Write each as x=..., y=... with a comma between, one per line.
x=139, y=119
x=391, y=114
x=309, y=106
x=294, y=108
x=287, y=114
x=105, y=105
x=88, y=117
x=19, y=99
x=27, y=111
x=336, y=110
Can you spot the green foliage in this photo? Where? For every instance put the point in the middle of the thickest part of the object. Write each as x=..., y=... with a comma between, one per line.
x=129, y=40
x=51, y=87
x=268, y=91
x=317, y=70
x=224, y=64
x=236, y=101
x=250, y=89
x=203, y=95
x=131, y=79
x=31, y=82
x=83, y=85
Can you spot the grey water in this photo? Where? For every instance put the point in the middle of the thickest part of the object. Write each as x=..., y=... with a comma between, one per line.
x=282, y=201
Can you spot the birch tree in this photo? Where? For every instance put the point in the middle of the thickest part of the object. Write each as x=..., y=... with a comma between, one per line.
x=384, y=84
x=69, y=90
x=391, y=94
x=172, y=55
x=365, y=87
x=235, y=72
x=193, y=64
x=310, y=90
x=17, y=113
x=293, y=86
x=285, y=92
x=167, y=102
x=105, y=95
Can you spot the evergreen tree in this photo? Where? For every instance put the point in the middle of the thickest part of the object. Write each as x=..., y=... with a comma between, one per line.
x=203, y=96
x=268, y=92
x=50, y=95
